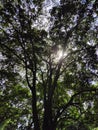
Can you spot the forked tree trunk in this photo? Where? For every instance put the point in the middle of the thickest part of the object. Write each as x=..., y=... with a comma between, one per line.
x=35, y=114
x=47, y=121
x=48, y=125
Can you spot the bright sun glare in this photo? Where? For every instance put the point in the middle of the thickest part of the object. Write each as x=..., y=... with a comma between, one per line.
x=60, y=55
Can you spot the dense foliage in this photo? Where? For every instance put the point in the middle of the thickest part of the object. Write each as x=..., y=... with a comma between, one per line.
x=49, y=72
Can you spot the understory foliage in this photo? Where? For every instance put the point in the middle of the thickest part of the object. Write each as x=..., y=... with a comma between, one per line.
x=48, y=72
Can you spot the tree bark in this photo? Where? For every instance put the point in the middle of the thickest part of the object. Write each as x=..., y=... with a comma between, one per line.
x=48, y=119
x=35, y=114
x=34, y=101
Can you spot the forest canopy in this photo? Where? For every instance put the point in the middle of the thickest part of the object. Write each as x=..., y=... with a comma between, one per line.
x=49, y=65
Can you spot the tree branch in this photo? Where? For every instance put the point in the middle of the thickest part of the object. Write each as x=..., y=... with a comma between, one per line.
x=12, y=51
x=70, y=102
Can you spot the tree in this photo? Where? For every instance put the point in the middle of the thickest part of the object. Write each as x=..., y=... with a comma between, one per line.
x=58, y=65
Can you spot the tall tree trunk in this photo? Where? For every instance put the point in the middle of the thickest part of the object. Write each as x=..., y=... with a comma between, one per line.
x=47, y=121
x=34, y=103
x=35, y=113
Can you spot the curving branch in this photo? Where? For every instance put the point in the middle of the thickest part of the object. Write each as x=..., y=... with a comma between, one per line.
x=62, y=108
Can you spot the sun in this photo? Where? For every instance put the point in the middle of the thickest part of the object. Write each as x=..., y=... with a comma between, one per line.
x=60, y=54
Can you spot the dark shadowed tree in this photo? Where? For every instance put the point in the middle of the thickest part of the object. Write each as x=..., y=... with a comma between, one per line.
x=49, y=76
